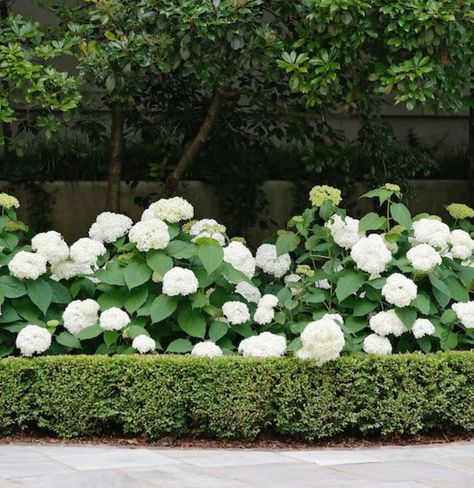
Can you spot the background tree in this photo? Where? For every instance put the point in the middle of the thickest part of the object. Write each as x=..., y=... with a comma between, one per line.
x=29, y=79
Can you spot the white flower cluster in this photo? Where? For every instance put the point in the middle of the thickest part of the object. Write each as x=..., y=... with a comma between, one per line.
x=86, y=251
x=371, y=254
x=249, y=292
x=432, y=232
x=143, y=344
x=33, y=339
x=27, y=265
x=422, y=327
x=265, y=312
x=465, y=313
x=170, y=210
x=206, y=349
x=264, y=345
x=399, y=290
x=179, y=281
x=423, y=257
x=240, y=257
x=268, y=261
x=51, y=246
x=149, y=234
x=323, y=339
x=236, y=313
x=345, y=232
x=461, y=243
x=109, y=226
x=387, y=322
x=80, y=314
x=375, y=344
x=113, y=319
x=208, y=228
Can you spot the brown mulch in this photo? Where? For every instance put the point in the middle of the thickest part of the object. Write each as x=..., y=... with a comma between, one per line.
x=262, y=443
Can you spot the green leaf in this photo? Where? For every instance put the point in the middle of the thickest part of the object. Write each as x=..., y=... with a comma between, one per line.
x=316, y=296
x=68, y=340
x=135, y=299
x=422, y=303
x=181, y=249
x=162, y=307
x=113, y=276
x=401, y=215
x=440, y=290
x=456, y=289
x=135, y=330
x=89, y=332
x=11, y=287
x=407, y=315
x=211, y=255
x=192, y=322
x=425, y=344
x=159, y=261
x=40, y=293
x=136, y=274
x=349, y=283
x=198, y=299
x=60, y=292
x=217, y=330
x=233, y=275
x=355, y=324
x=448, y=340
x=372, y=221
x=179, y=346
x=110, y=338
x=113, y=298
x=448, y=317
x=286, y=242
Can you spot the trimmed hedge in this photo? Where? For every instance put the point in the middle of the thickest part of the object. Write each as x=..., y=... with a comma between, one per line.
x=234, y=397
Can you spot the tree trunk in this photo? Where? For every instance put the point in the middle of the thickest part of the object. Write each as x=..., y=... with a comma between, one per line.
x=6, y=127
x=198, y=142
x=115, y=161
x=471, y=147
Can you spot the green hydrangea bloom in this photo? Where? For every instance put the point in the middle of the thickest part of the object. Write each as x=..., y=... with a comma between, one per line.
x=8, y=201
x=187, y=226
x=239, y=239
x=15, y=226
x=391, y=187
x=460, y=211
x=304, y=270
x=320, y=193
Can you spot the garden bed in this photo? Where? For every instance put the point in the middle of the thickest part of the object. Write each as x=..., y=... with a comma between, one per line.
x=238, y=398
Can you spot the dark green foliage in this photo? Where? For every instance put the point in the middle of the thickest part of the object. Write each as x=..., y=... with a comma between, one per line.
x=231, y=397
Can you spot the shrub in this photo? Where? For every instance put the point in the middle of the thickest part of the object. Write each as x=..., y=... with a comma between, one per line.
x=360, y=395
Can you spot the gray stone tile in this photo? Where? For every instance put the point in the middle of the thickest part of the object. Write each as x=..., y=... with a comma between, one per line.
x=328, y=457
x=234, y=458
x=465, y=463
x=29, y=464
x=397, y=471
x=90, y=458
x=457, y=481
x=4, y=483
x=426, y=453
x=87, y=479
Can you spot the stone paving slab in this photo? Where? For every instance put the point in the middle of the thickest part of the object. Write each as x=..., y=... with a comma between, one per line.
x=99, y=466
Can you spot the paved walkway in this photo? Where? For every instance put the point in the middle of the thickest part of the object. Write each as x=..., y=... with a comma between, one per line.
x=62, y=466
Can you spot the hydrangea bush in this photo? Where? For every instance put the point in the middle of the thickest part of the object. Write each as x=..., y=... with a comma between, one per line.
x=329, y=284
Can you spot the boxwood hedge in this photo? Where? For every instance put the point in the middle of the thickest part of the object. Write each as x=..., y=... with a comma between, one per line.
x=235, y=397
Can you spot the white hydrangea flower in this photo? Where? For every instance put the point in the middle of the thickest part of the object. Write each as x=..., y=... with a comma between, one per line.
x=143, y=344
x=236, y=312
x=375, y=344
x=268, y=301
x=114, y=319
x=27, y=265
x=462, y=244
x=391, y=246
x=150, y=234
x=109, y=226
x=323, y=284
x=323, y=340
x=86, y=251
x=263, y=315
x=465, y=313
x=206, y=349
x=345, y=232
x=240, y=257
x=399, y=290
x=80, y=314
x=66, y=270
x=422, y=327
x=334, y=316
x=387, y=322
x=33, y=339
x=432, y=232
x=371, y=254
x=172, y=210
x=249, y=292
x=179, y=281
x=264, y=345
x=267, y=260
x=292, y=278
x=423, y=257
x=208, y=228
x=50, y=245
x=148, y=214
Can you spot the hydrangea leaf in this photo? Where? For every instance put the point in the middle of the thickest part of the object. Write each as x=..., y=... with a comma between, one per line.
x=89, y=332
x=401, y=215
x=192, y=322
x=159, y=261
x=349, y=283
x=211, y=255
x=286, y=242
x=217, y=330
x=40, y=293
x=372, y=221
x=68, y=340
x=407, y=315
x=136, y=274
x=11, y=287
x=179, y=346
x=135, y=330
x=162, y=307
x=135, y=299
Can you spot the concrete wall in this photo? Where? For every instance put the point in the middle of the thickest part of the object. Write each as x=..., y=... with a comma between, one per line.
x=76, y=204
